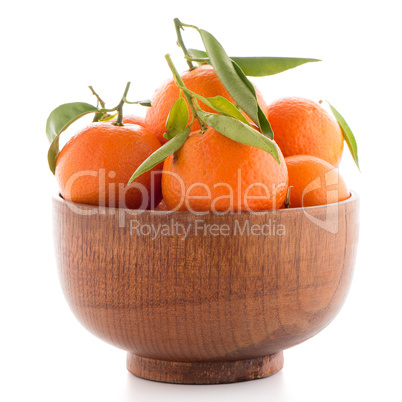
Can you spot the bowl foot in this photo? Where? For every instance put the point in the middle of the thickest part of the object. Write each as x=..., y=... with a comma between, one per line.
x=204, y=372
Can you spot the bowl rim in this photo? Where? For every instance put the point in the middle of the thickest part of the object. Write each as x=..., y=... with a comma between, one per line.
x=354, y=197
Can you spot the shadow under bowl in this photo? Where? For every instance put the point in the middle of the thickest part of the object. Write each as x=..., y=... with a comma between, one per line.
x=209, y=298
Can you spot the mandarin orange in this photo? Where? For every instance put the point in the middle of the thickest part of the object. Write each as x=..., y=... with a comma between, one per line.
x=201, y=80
x=304, y=127
x=314, y=181
x=132, y=119
x=95, y=165
x=211, y=172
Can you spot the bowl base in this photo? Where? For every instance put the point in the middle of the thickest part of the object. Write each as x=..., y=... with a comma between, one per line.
x=204, y=372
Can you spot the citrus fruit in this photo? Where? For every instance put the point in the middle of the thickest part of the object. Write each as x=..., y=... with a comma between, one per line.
x=201, y=80
x=96, y=164
x=211, y=172
x=314, y=182
x=132, y=119
x=303, y=127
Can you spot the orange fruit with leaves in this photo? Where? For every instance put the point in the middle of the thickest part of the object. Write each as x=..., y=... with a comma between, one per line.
x=314, y=181
x=211, y=172
x=303, y=127
x=201, y=80
x=95, y=165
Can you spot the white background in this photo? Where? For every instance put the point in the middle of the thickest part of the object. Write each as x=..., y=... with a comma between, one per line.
x=51, y=51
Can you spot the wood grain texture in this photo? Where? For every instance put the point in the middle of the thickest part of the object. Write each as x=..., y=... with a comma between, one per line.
x=209, y=299
x=205, y=372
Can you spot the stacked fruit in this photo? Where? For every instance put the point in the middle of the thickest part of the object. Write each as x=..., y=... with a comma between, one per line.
x=206, y=143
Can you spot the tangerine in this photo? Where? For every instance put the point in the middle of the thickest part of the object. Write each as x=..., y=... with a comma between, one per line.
x=132, y=119
x=96, y=164
x=201, y=80
x=303, y=127
x=211, y=172
x=314, y=182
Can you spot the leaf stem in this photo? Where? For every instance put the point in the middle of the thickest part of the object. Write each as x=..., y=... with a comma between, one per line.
x=186, y=92
x=287, y=198
x=197, y=60
x=178, y=26
x=100, y=101
x=119, y=107
x=145, y=102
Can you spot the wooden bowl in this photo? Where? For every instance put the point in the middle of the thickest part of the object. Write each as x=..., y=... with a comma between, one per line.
x=217, y=305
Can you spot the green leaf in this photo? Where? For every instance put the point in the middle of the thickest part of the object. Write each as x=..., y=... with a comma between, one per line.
x=258, y=66
x=238, y=89
x=111, y=117
x=227, y=108
x=221, y=105
x=243, y=77
x=265, y=125
x=58, y=121
x=347, y=134
x=239, y=132
x=199, y=55
x=52, y=154
x=263, y=122
x=97, y=117
x=235, y=82
x=161, y=153
x=145, y=102
x=177, y=119
x=64, y=115
x=264, y=66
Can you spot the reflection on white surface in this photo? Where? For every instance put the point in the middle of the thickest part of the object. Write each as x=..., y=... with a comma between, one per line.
x=274, y=387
